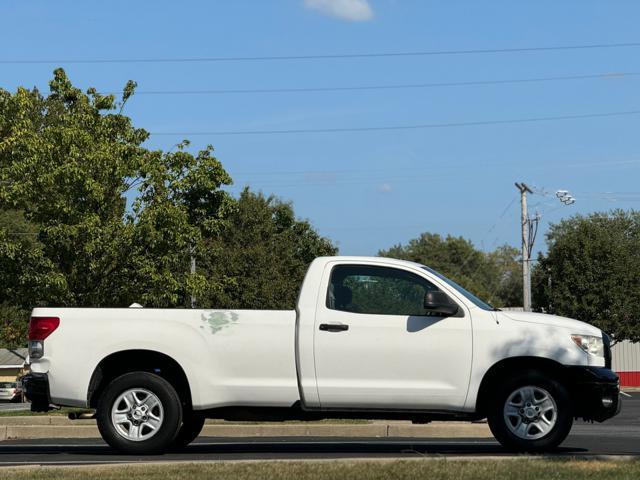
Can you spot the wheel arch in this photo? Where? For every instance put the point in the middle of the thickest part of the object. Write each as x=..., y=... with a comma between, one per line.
x=513, y=364
x=138, y=360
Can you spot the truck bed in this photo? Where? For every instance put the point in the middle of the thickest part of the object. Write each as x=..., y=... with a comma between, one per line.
x=229, y=356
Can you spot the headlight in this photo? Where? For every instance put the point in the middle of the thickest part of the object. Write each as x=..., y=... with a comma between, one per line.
x=590, y=344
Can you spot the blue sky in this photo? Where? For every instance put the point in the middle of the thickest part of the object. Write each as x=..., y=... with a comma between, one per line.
x=369, y=190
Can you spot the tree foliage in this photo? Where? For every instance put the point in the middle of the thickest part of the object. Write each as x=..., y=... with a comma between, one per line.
x=27, y=275
x=262, y=254
x=591, y=272
x=13, y=326
x=493, y=276
x=69, y=163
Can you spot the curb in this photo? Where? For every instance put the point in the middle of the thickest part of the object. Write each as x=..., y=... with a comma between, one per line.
x=378, y=430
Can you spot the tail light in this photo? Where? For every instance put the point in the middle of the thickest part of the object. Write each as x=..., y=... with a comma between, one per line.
x=39, y=329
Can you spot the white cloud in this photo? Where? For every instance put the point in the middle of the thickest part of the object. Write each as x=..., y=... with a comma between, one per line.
x=385, y=188
x=351, y=10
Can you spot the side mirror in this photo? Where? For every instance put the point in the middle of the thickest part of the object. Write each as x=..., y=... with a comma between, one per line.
x=439, y=303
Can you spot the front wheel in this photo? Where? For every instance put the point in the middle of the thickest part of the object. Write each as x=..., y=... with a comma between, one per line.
x=139, y=413
x=192, y=424
x=531, y=412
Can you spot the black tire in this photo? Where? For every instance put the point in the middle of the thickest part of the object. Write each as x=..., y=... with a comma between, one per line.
x=192, y=424
x=171, y=415
x=547, y=441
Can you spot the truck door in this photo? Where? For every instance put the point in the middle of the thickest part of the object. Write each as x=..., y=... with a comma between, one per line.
x=376, y=346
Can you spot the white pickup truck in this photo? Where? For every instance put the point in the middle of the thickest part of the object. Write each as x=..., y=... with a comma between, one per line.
x=371, y=338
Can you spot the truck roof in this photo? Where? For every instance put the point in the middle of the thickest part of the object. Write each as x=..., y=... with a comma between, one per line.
x=359, y=258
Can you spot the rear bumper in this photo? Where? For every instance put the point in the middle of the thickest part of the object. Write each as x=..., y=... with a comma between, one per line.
x=595, y=392
x=36, y=389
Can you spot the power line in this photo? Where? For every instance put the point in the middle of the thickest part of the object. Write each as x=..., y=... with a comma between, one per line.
x=459, y=270
x=368, y=227
x=610, y=193
x=332, y=56
x=400, y=86
x=393, y=175
x=613, y=196
x=338, y=182
x=439, y=163
x=402, y=127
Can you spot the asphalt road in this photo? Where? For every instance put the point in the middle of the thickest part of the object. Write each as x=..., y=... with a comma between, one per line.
x=618, y=436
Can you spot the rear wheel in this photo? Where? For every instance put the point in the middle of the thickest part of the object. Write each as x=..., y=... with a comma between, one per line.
x=139, y=413
x=531, y=412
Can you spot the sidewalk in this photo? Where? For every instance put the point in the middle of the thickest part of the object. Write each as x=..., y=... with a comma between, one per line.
x=60, y=427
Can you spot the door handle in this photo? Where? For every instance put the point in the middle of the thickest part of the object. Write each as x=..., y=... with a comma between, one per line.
x=334, y=327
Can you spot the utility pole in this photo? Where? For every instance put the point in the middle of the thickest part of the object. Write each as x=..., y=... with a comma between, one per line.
x=526, y=270
x=193, y=272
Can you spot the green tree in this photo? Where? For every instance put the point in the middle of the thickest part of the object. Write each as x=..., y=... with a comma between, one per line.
x=505, y=270
x=591, y=272
x=27, y=276
x=13, y=326
x=69, y=162
x=261, y=255
x=492, y=276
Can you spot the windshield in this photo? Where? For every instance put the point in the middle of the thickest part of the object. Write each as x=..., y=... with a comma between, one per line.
x=467, y=294
x=7, y=385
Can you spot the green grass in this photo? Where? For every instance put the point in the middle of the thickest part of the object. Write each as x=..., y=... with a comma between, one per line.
x=28, y=413
x=431, y=469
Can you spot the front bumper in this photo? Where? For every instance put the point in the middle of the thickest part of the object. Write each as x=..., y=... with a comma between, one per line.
x=36, y=389
x=595, y=392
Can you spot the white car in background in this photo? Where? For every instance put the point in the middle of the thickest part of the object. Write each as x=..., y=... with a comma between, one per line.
x=10, y=392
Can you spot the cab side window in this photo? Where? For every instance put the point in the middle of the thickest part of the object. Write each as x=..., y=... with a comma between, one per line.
x=377, y=290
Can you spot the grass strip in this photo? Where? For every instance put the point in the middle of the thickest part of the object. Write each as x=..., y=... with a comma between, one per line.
x=432, y=469
x=28, y=413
